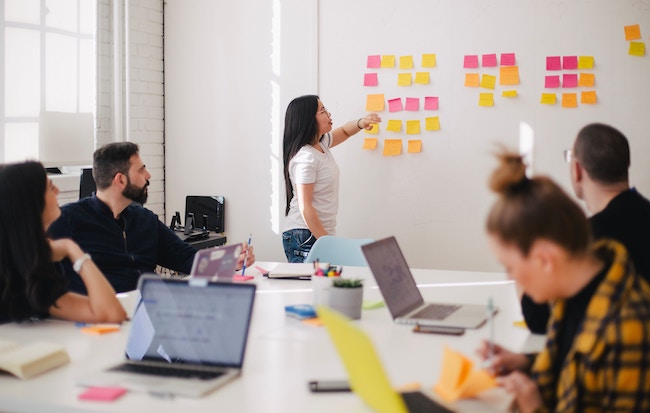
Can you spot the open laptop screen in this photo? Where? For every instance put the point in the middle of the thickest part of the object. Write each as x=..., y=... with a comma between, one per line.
x=393, y=276
x=176, y=322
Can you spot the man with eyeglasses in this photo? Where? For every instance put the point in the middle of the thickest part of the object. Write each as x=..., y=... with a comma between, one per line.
x=599, y=163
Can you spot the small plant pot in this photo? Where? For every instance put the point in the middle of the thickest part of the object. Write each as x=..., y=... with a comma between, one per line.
x=346, y=301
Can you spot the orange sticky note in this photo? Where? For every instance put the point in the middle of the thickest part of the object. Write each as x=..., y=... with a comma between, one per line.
x=569, y=100
x=486, y=99
x=415, y=146
x=375, y=103
x=548, y=99
x=314, y=321
x=392, y=147
x=588, y=97
x=586, y=79
x=472, y=79
x=432, y=123
x=370, y=143
x=632, y=32
x=100, y=329
x=509, y=75
x=458, y=380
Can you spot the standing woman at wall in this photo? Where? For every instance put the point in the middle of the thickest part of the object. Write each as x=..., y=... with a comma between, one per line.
x=31, y=283
x=311, y=175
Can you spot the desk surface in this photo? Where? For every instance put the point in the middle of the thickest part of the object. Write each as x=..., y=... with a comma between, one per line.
x=282, y=353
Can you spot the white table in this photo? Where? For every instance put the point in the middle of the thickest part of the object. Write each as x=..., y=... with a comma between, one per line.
x=282, y=353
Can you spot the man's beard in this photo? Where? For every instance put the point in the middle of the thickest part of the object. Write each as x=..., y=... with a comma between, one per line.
x=136, y=194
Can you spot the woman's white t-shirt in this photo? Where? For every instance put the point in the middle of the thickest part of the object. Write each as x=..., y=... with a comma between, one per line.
x=310, y=166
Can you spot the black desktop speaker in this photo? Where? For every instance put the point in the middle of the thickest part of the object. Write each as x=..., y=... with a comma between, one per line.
x=211, y=206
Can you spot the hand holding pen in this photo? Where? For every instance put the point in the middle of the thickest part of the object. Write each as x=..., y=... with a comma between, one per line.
x=248, y=247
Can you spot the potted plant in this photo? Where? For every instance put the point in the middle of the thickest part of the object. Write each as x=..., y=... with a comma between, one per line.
x=346, y=296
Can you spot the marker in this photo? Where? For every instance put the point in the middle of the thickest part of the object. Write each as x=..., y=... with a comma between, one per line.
x=243, y=267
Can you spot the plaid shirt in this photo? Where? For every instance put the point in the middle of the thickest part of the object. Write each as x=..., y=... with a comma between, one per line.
x=607, y=368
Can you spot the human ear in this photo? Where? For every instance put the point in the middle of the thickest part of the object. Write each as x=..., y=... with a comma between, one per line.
x=544, y=254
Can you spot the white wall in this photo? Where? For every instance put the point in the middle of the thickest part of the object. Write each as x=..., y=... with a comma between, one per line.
x=226, y=97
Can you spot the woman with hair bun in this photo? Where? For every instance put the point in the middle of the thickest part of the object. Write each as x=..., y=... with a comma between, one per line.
x=31, y=283
x=597, y=353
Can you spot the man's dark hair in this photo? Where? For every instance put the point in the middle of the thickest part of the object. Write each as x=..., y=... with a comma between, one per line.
x=604, y=153
x=111, y=159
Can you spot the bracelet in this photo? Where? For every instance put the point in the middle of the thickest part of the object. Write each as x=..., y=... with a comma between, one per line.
x=358, y=124
x=80, y=262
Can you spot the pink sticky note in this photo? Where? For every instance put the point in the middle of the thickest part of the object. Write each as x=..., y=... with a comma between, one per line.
x=374, y=61
x=104, y=394
x=413, y=104
x=431, y=103
x=553, y=63
x=370, y=79
x=551, y=81
x=569, y=62
x=395, y=105
x=489, y=60
x=569, y=80
x=470, y=61
x=507, y=59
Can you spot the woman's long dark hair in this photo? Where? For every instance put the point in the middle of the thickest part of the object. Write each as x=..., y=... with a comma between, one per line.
x=29, y=282
x=300, y=129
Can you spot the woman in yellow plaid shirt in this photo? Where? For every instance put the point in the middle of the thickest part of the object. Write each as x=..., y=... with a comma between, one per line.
x=597, y=353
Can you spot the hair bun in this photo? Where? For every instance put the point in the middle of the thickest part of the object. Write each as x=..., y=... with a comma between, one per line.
x=510, y=173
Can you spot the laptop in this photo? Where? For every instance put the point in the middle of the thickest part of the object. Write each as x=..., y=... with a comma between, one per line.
x=404, y=301
x=365, y=372
x=184, y=339
x=217, y=263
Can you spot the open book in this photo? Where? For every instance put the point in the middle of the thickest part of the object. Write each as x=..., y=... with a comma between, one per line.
x=26, y=361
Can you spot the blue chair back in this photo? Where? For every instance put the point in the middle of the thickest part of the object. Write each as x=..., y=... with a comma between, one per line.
x=338, y=251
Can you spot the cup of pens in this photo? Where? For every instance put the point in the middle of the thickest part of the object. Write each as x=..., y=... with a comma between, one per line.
x=321, y=281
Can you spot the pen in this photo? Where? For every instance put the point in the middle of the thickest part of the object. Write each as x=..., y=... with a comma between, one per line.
x=243, y=267
x=490, y=308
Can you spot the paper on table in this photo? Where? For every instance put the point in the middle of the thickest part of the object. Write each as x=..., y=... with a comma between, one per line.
x=458, y=380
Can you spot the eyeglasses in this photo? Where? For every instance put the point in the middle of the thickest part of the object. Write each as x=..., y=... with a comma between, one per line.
x=568, y=155
x=323, y=111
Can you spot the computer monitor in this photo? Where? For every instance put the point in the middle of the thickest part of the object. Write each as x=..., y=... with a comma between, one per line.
x=87, y=185
x=212, y=206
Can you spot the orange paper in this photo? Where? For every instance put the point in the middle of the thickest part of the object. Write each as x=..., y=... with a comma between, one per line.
x=100, y=329
x=472, y=79
x=370, y=143
x=458, y=380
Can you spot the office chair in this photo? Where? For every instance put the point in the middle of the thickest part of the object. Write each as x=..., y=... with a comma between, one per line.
x=338, y=251
x=87, y=185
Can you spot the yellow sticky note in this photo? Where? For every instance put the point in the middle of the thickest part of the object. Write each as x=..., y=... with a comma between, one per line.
x=488, y=81
x=415, y=146
x=586, y=79
x=509, y=75
x=412, y=127
x=632, y=32
x=387, y=61
x=432, y=123
x=428, y=60
x=394, y=125
x=458, y=380
x=370, y=143
x=403, y=79
x=375, y=103
x=509, y=93
x=486, y=99
x=637, y=49
x=520, y=324
x=422, y=78
x=406, y=62
x=374, y=129
x=585, y=62
x=471, y=79
x=569, y=100
x=588, y=97
x=548, y=99
x=392, y=147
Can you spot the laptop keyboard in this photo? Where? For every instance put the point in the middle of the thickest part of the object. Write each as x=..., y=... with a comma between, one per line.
x=436, y=311
x=167, y=371
x=417, y=402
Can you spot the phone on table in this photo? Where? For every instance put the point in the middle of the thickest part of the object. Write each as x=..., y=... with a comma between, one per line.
x=455, y=331
x=322, y=386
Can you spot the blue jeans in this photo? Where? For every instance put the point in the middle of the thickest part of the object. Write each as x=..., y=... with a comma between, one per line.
x=297, y=243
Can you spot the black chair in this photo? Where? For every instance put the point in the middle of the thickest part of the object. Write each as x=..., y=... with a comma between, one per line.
x=87, y=185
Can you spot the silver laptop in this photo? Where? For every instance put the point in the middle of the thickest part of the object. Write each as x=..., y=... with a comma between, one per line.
x=184, y=340
x=404, y=301
x=217, y=263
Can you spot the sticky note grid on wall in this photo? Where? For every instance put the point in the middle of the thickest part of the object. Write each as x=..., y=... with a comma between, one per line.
x=412, y=112
x=483, y=73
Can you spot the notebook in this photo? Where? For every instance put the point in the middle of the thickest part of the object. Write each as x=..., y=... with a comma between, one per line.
x=365, y=372
x=184, y=339
x=404, y=301
x=217, y=263
x=290, y=270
